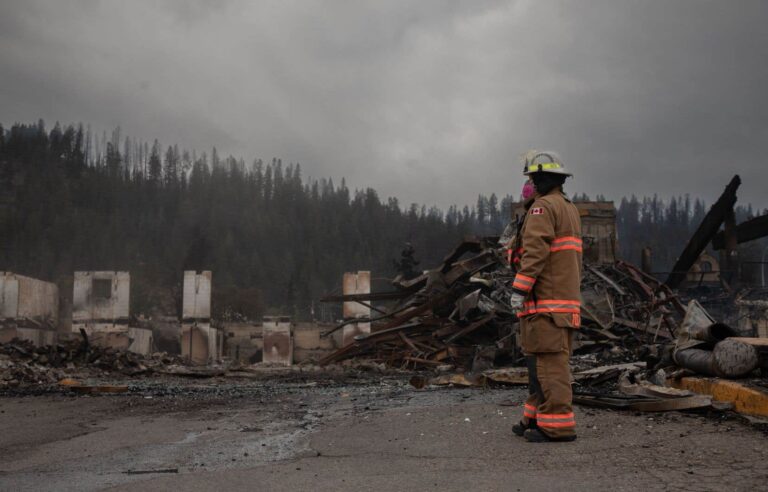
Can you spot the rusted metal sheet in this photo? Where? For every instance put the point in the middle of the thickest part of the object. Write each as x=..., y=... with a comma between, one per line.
x=278, y=340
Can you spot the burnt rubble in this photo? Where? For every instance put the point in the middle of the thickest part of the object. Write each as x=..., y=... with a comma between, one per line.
x=457, y=315
x=22, y=364
x=454, y=320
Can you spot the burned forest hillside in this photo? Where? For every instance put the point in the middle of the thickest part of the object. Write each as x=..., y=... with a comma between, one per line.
x=275, y=241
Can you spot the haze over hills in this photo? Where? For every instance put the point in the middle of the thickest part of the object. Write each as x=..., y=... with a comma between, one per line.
x=429, y=101
x=274, y=240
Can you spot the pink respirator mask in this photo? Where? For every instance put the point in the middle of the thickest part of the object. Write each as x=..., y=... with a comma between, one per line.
x=528, y=190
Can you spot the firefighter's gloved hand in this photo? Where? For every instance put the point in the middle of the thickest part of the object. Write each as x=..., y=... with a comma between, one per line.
x=516, y=301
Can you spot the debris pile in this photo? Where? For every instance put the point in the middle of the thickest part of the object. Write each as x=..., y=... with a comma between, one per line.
x=457, y=316
x=22, y=364
x=636, y=333
x=454, y=315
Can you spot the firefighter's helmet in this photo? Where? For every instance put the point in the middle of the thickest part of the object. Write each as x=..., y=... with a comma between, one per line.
x=543, y=161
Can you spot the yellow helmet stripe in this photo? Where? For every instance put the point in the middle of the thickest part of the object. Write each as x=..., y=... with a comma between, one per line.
x=546, y=165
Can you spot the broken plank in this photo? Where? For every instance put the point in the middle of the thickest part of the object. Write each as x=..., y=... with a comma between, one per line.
x=423, y=361
x=374, y=296
x=704, y=234
x=472, y=327
x=746, y=231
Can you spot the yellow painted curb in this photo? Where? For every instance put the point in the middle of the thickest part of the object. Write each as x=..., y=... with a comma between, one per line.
x=745, y=400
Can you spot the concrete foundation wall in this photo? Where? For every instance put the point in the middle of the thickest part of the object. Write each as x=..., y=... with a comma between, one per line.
x=166, y=332
x=243, y=342
x=308, y=343
x=196, y=303
x=101, y=307
x=278, y=341
x=201, y=343
x=25, y=297
x=142, y=341
x=119, y=337
x=88, y=306
x=753, y=318
x=356, y=283
x=598, y=230
x=37, y=336
x=706, y=270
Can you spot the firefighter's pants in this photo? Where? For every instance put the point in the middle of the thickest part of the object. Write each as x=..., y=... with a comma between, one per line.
x=547, y=348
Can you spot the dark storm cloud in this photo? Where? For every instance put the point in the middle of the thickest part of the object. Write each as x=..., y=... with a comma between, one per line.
x=431, y=101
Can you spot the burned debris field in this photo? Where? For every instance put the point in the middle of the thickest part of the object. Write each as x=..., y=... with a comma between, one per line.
x=391, y=246
x=416, y=377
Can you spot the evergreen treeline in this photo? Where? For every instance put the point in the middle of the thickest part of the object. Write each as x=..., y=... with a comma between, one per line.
x=274, y=241
x=666, y=227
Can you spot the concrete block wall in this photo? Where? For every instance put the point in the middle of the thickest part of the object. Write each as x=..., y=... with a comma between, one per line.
x=94, y=306
x=196, y=303
x=308, y=343
x=101, y=307
x=753, y=318
x=356, y=283
x=243, y=342
x=200, y=342
x=37, y=336
x=29, y=309
x=278, y=340
x=25, y=297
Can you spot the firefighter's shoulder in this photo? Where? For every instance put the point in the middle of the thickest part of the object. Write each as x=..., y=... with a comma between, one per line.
x=541, y=206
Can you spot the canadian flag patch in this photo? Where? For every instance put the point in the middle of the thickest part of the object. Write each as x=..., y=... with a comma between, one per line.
x=537, y=211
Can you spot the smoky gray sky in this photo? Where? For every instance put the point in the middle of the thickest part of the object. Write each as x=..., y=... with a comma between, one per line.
x=429, y=101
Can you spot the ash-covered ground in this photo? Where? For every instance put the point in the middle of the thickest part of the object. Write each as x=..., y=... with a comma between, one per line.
x=351, y=430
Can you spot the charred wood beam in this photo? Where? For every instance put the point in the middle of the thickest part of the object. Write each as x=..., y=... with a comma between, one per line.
x=419, y=310
x=377, y=296
x=746, y=231
x=369, y=306
x=362, y=320
x=469, y=245
x=729, y=257
x=472, y=327
x=704, y=234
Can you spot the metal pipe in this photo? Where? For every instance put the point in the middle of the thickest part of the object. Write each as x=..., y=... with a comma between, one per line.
x=729, y=359
x=713, y=333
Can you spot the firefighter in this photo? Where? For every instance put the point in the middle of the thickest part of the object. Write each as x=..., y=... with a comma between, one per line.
x=507, y=239
x=546, y=297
